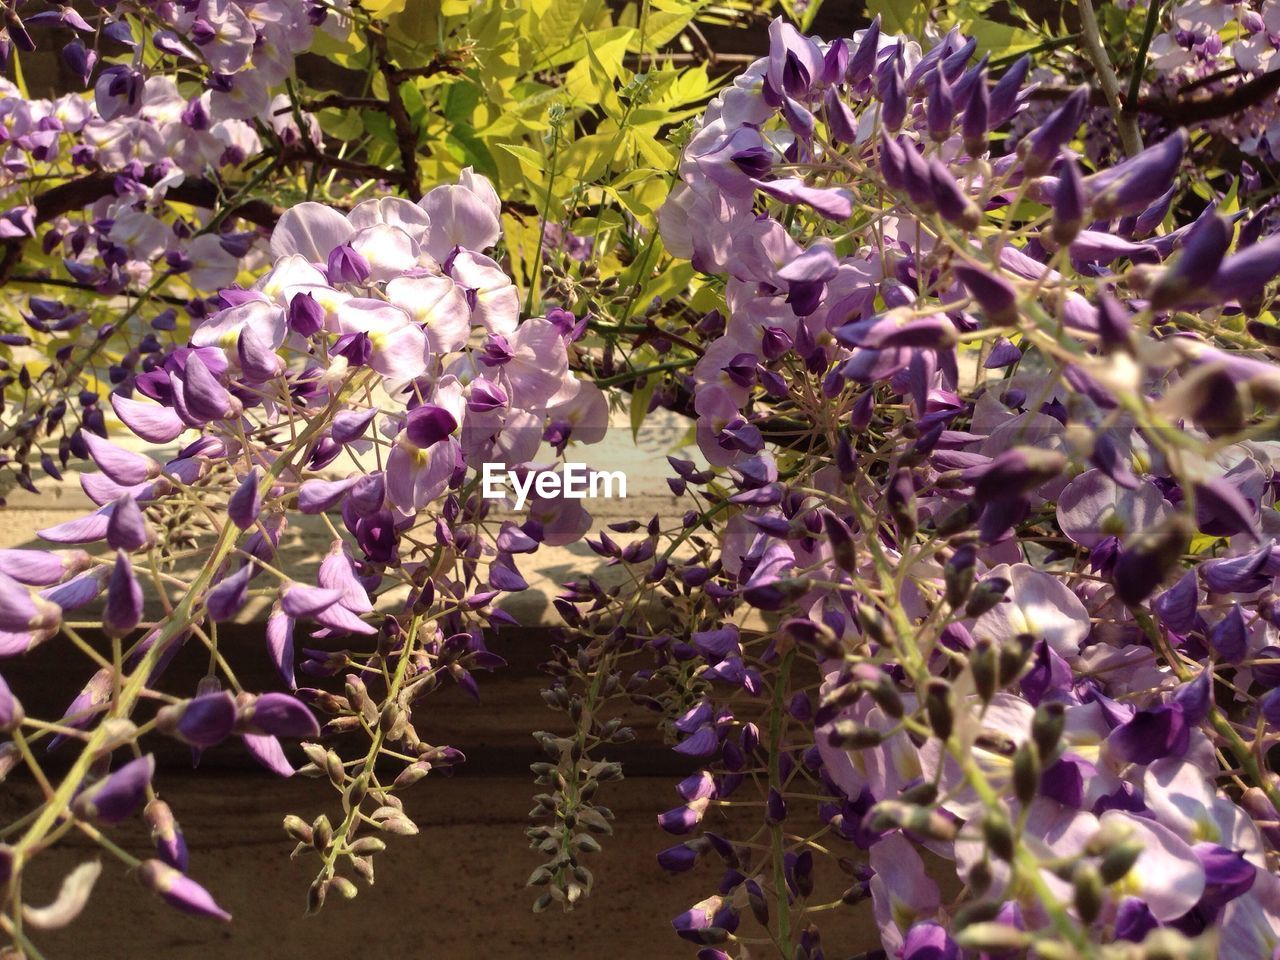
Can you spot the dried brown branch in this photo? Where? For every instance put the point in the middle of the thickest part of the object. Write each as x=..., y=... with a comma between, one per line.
x=86, y=190
x=406, y=136
x=1187, y=110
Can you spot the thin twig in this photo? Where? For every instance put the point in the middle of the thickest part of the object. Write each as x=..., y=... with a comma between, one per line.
x=1140, y=60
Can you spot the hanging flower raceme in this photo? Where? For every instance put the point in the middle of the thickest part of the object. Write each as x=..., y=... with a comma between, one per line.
x=366, y=378
x=990, y=493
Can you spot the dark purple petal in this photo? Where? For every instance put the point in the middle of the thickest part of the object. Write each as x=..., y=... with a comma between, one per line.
x=117, y=796
x=278, y=715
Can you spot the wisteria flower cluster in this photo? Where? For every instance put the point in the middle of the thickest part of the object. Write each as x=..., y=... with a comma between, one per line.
x=241, y=49
x=982, y=559
x=969, y=616
x=1214, y=47
x=362, y=381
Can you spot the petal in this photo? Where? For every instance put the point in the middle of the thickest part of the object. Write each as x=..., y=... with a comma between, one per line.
x=310, y=230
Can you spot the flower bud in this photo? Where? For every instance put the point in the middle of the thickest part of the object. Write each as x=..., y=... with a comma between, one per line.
x=321, y=833
x=1026, y=773
x=993, y=938
x=984, y=663
x=840, y=537
x=171, y=846
x=939, y=704
x=974, y=122
x=11, y=712
x=950, y=200
x=902, y=504
x=245, y=504
x=998, y=834
x=1194, y=266
x=127, y=528
x=202, y=722
x=1013, y=657
x=808, y=633
x=1131, y=185
x=1015, y=472
x=1047, y=726
x=981, y=876
x=1087, y=892
x=995, y=295
x=123, y=609
x=939, y=109
x=890, y=814
x=299, y=830
x=893, y=94
x=986, y=595
x=874, y=625
x=850, y=735
x=979, y=911
x=958, y=575
x=1068, y=203
x=1144, y=563
x=1118, y=861
x=1041, y=148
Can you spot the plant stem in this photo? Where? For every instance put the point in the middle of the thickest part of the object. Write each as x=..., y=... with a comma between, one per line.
x=777, y=710
x=1140, y=60
x=1126, y=123
x=636, y=374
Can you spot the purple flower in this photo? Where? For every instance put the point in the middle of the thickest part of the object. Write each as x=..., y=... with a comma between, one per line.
x=300, y=601
x=117, y=796
x=123, y=610
x=171, y=846
x=995, y=295
x=678, y=859
x=1195, y=266
x=227, y=598
x=124, y=467
x=21, y=611
x=795, y=62
x=929, y=941
x=11, y=712
x=346, y=265
x=179, y=890
x=244, y=506
x=278, y=715
x=1042, y=147
x=148, y=420
x=1131, y=185
x=1151, y=735
x=306, y=316
x=1229, y=636
x=203, y=722
x=318, y=496
x=127, y=528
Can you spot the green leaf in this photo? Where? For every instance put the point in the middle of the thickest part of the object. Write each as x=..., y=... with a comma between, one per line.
x=525, y=155
x=640, y=405
x=558, y=22
x=898, y=16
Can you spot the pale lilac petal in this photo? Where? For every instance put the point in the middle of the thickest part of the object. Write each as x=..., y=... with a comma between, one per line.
x=459, y=218
x=310, y=230
x=268, y=752
x=439, y=305
x=1038, y=604
x=1167, y=873
x=497, y=302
